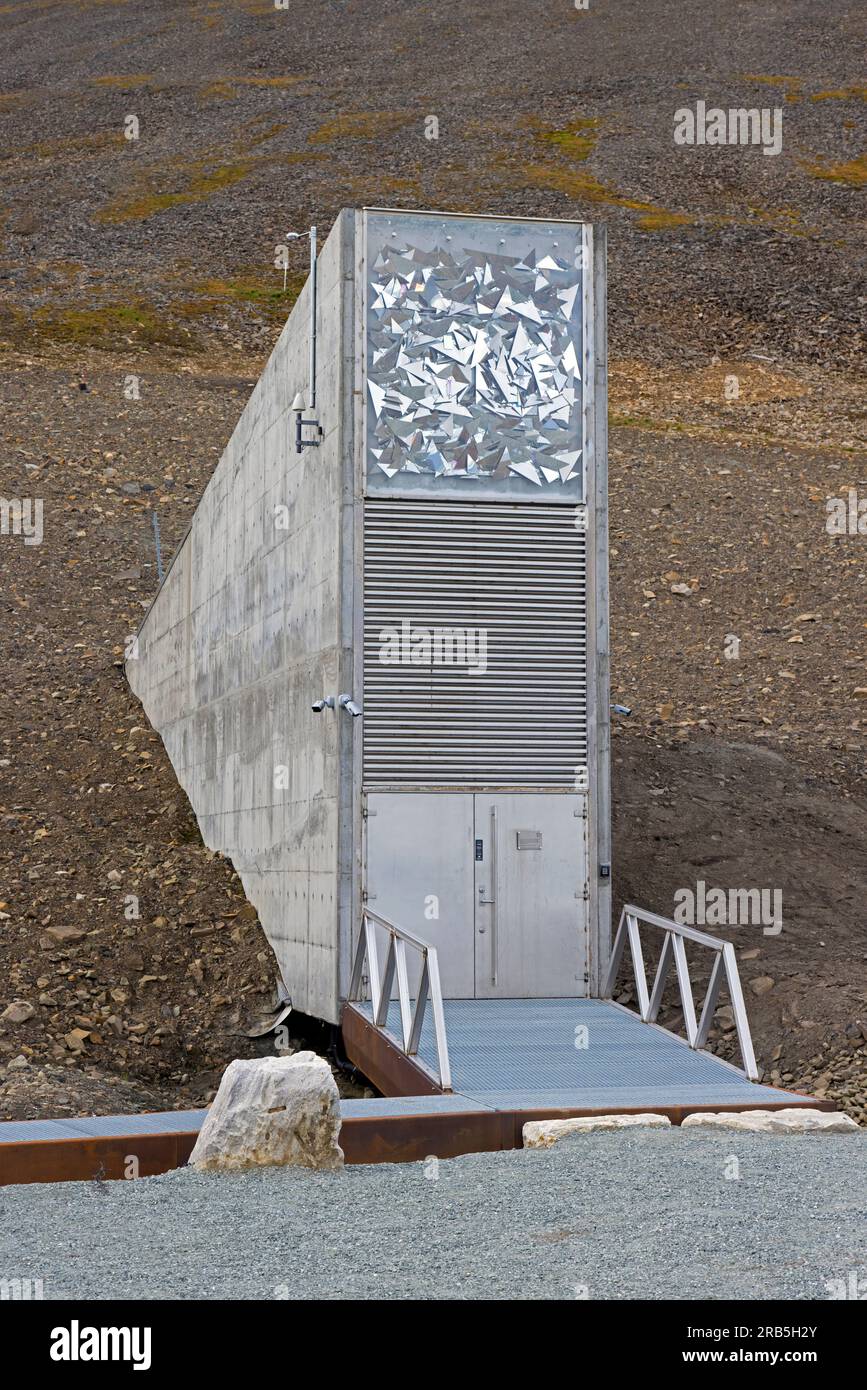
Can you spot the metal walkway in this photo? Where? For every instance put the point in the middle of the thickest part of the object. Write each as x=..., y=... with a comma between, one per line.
x=464, y=1075
x=568, y=1054
x=553, y=1055
x=512, y=1060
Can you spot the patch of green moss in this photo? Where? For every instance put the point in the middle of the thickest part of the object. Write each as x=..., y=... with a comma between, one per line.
x=578, y=140
x=198, y=181
x=856, y=92
x=791, y=85
x=260, y=136
x=268, y=296
x=124, y=82
x=580, y=184
x=227, y=88
x=852, y=172
x=68, y=146
x=199, y=185
x=644, y=422
x=782, y=219
x=360, y=125
x=108, y=326
x=378, y=189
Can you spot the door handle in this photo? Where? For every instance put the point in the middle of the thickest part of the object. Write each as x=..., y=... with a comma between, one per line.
x=483, y=902
x=496, y=894
x=491, y=902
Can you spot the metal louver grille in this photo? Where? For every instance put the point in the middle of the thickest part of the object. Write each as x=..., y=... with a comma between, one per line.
x=510, y=579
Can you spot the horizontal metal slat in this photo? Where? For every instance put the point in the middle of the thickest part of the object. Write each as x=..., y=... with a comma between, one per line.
x=513, y=571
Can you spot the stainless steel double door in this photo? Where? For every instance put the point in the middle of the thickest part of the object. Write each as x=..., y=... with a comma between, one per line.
x=496, y=881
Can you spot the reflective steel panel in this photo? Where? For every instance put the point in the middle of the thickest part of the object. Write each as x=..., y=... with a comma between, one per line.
x=474, y=342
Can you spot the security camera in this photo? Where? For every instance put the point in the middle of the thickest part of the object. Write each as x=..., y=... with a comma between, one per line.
x=347, y=703
x=327, y=702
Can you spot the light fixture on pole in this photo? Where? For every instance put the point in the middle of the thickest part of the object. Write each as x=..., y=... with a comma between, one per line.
x=298, y=407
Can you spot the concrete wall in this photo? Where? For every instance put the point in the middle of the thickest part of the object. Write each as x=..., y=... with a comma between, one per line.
x=246, y=632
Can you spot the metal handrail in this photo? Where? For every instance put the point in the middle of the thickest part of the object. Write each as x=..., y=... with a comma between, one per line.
x=411, y=1014
x=673, y=948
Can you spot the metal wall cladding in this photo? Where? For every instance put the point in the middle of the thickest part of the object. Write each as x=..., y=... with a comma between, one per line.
x=475, y=645
x=474, y=340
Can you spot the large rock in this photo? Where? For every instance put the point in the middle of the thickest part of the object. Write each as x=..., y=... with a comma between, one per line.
x=273, y=1110
x=541, y=1134
x=794, y=1121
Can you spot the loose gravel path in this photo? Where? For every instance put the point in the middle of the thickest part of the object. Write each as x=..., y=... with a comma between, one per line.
x=644, y=1215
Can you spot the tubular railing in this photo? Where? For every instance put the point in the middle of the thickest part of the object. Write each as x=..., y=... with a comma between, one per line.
x=725, y=967
x=412, y=1012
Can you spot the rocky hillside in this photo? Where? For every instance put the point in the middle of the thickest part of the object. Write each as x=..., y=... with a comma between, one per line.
x=138, y=300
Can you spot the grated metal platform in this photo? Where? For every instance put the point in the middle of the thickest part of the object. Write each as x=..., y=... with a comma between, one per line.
x=511, y=1059
x=575, y=1053
x=101, y=1126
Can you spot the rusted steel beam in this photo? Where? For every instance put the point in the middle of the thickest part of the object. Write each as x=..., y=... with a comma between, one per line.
x=408, y=1138
x=93, y=1158
x=389, y=1069
x=364, y=1139
x=378, y=1139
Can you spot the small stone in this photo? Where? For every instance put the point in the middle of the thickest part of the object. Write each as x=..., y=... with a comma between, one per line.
x=795, y=1121
x=64, y=934
x=17, y=1012
x=541, y=1134
x=761, y=984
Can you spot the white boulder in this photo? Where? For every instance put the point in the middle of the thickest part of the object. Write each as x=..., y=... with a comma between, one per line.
x=794, y=1121
x=541, y=1134
x=272, y=1110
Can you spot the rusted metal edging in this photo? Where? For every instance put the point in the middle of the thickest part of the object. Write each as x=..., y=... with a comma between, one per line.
x=364, y=1139
x=392, y=1071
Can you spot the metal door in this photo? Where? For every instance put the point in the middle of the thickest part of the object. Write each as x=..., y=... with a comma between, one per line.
x=530, y=857
x=420, y=875
x=496, y=882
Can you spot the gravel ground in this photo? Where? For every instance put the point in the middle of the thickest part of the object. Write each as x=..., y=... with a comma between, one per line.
x=648, y=1215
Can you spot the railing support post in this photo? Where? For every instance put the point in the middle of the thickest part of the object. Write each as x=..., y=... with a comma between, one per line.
x=725, y=967
x=429, y=988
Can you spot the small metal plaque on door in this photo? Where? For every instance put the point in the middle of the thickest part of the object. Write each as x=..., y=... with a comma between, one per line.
x=529, y=839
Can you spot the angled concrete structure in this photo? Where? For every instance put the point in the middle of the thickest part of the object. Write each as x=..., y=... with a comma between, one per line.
x=438, y=560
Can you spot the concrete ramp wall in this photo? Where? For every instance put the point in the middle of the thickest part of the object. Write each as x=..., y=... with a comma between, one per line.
x=245, y=633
